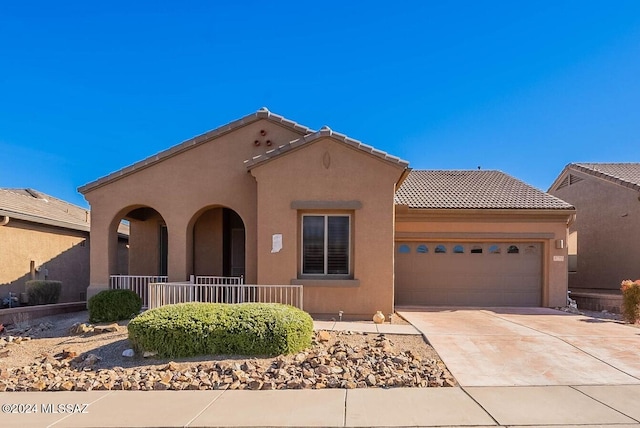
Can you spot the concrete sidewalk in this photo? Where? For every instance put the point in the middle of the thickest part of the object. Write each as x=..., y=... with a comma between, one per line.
x=472, y=406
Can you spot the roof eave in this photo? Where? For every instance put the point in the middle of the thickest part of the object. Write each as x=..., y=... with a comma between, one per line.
x=481, y=214
x=559, y=177
x=494, y=210
x=43, y=220
x=604, y=176
x=263, y=113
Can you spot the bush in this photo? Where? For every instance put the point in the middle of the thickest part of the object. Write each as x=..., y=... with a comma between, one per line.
x=189, y=329
x=114, y=305
x=631, y=300
x=43, y=292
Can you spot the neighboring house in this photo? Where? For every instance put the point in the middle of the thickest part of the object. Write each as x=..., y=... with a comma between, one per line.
x=604, y=239
x=42, y=237
x=280, y=203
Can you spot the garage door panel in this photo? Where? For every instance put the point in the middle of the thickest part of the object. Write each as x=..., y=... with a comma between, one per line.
x=469, y=279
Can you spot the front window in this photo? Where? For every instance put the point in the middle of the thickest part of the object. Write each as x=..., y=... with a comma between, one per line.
x=325, y=244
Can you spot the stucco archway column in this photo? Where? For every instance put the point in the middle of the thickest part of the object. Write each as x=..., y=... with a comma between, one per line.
x=180, y=251
x=103, y=248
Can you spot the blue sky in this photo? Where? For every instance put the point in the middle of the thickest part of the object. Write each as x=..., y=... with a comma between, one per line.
x=87, y=88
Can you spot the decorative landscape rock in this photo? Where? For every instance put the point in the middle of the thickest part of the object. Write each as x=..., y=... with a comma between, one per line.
x=105, y=328
x=8, y=342
x=81, y=328
x=323, y=336
x=23, y=330
x=330, y=363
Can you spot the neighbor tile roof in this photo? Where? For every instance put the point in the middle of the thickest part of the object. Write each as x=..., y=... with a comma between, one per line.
x=324, y=132
x=472, y=189
x=37, y=207
x=625, y=174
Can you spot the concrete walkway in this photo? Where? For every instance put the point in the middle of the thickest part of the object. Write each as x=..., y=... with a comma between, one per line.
x=473, y=406
x=530, y=346
x=361, y=327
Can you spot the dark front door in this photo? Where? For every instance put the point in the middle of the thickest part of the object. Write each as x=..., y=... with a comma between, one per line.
x=234, y=244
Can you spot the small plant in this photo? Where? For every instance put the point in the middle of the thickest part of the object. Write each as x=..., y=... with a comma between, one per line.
x=190, y=329
x=114, y=305
x=630, y=300
x=43, y=292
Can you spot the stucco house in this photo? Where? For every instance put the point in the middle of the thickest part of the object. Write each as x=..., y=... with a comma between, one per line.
x=280, y=203
x=42, y=237
x=603, y=244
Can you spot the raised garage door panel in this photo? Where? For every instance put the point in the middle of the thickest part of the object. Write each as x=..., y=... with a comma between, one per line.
x=496, y=276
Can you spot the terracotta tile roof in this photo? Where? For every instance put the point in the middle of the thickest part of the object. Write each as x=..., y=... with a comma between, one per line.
x=324, y=132
x=263, y=113
x=624, y=174
x=472, y=189
x=37, y=207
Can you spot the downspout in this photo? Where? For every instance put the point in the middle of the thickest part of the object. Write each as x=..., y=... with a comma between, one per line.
x=5, y=220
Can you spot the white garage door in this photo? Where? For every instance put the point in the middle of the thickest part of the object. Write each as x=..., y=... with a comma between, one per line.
x=468, y=274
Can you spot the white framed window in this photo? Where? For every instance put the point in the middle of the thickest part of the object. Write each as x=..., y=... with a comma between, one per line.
x=326, y=244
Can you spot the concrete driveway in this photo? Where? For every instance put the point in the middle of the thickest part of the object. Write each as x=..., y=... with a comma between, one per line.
x=529, y=346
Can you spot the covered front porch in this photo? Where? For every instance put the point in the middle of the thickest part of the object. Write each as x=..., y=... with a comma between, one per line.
x=217, y=236
x=208, y=246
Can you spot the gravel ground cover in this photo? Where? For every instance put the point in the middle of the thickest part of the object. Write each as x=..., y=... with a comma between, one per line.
x=63, y=352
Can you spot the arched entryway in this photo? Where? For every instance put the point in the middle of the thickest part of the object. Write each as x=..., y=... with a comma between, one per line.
x=147, y=246
x=219, y=241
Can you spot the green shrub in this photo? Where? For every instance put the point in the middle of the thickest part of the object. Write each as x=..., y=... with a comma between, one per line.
x=114, y=305
x=43, y=292
x=189, y=329
x=631, y=300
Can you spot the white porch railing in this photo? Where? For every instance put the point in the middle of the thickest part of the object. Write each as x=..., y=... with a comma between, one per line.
x=136, y=283
x=217, y=280
x=166, y=293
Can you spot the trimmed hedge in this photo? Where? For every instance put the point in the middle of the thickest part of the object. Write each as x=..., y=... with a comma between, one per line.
x=114, y=305
x=189, y=329
x=43, y=292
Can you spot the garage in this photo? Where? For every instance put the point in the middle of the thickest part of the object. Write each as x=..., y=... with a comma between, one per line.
x=479, y=238
x=468, y=273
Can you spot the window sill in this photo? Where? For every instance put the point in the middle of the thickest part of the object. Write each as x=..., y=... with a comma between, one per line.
x=317, y=282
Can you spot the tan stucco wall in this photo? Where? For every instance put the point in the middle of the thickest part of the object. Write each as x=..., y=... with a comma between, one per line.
x=180, y=188
x=208, y=243
x=348, y=175
x=64, y=253
x=487, y=226
x=144, y=238
x=608, y=227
